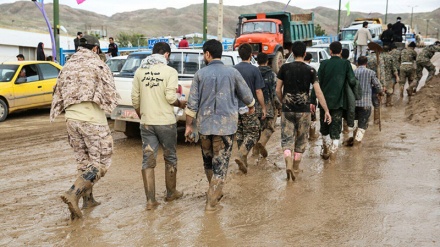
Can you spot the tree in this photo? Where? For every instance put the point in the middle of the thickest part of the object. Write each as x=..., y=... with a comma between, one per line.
x=124, y=39
x=319, y=31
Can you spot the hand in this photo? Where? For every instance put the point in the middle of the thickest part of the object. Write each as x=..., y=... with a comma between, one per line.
x=251, y=110
x=188, y=132
x=312, y=108
x=327, y=118
x=182, y=104
x=264, y=113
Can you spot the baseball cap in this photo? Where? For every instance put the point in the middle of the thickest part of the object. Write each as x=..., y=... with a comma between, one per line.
x=412, y=44
x=89, y=40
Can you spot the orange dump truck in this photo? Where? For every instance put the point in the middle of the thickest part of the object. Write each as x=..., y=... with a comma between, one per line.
x=273, y=33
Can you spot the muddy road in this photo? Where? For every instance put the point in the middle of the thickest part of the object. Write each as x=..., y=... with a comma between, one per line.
x=386, y=193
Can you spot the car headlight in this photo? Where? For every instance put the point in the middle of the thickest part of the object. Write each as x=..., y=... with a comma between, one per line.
x=265, y=48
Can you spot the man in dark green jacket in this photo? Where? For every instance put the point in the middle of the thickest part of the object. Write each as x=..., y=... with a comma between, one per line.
x=333, y=75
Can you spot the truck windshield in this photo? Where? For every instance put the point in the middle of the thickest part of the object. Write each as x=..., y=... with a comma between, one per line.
x=348, y=34
x=259, y=27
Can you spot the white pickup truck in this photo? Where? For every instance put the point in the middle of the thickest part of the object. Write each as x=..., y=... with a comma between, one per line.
x=185, y=61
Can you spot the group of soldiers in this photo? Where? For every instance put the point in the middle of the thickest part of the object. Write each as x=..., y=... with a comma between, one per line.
x=398, y=66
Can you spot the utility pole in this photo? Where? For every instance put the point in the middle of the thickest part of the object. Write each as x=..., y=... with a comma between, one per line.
x=339, y=17
x=412, y=11
x=220, y=21
x=427, y=25
x=56, y=25
x=386, y=13
x=205, y=20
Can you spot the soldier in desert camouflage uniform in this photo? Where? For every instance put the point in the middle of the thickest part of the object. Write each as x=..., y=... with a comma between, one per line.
x=407, y=70
x=424, y=61
x=85, y=90
x=390, y=75
x=372, y=64
x=395, y=54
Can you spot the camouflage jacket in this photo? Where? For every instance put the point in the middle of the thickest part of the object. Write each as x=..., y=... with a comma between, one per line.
x=389, y=66
x=427, y=53
x=372, y=64
x=396, y=54
x=408, y=55
x=85, y=77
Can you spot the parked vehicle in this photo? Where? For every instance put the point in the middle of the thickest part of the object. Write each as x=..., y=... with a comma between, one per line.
x=429, y=41
x=318, y=55
x=317, y=42
x=26, y=85
x=186, y=61
x=347, y=34
x=274, y=32
x=116, y=63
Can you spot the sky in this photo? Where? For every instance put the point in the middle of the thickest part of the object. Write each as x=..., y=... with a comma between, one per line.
x=110, y=7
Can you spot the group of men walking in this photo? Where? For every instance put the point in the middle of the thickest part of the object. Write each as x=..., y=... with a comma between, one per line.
x=225, y=102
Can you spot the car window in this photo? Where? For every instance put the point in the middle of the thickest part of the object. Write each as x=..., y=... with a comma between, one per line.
x=314, y=57
x=190, y=63
x=7, y=72
x=228, y=60
x=176, y=61
x=48, y=71
x=115, y=65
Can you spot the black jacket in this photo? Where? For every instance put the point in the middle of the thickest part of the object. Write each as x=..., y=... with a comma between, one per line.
x=387, y=37
x=397, y=28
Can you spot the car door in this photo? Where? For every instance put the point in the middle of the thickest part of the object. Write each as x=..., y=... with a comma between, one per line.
x=28, y=88
x=48, y=78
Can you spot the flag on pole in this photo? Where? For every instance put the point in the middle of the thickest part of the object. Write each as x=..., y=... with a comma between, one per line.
x=80, y=1
x=347, y=6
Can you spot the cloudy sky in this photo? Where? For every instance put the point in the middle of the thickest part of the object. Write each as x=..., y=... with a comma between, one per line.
x=110, y=7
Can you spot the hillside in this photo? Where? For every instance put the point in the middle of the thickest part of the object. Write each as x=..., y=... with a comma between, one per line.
x=24, y=15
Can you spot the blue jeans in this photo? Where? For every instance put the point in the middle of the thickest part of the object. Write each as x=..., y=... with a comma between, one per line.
x=152, y=136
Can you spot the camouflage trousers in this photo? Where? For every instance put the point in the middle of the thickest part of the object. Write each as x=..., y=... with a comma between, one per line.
x=92, y=144
x=407, y=71
x=419, y=71
x=155, y=135
x=268, y=123
x=294, y=130
x=248, y=131
x=389, y=85
x=335, y=127
x=216, y=152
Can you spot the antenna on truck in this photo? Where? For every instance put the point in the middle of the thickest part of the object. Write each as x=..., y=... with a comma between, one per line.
x=286, y=5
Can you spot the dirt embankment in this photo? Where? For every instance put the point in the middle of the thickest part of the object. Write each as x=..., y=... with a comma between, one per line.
x=424, y=107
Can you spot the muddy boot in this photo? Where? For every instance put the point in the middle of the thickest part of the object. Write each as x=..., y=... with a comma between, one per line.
x=349, y=142
x=376, y=115
x=325, y=149
x=333, y=149
x=150, y=188
x=255, y=151
x=401, y=92
x=261, y=145
x=289, y=168
x=359, y=136
x=209, y=174
x=296, y=162
x=345, y=128
x=241, y=160
x=312, y=131
x=170, y=182
x=88, y=200
x=82, y=184
x=389, y=100
x=214, y=193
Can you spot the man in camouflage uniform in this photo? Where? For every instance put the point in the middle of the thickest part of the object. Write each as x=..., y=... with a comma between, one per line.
x=85, y=90
x=395, y=54
x=424, y=61
x=213, y=98
x=249, y=124
x=390, y=75
x=407, y=70
x=372, y=64
x=272, y=104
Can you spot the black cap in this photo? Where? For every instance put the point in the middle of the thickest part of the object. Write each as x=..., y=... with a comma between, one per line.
x=89, y=40
x=20, y=55
x=412, y=44
x=79, y=33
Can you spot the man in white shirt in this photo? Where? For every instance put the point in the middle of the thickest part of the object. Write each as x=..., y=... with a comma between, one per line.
x=361, y=38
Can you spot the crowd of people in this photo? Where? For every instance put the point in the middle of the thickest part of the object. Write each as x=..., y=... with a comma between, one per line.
x=227, y=103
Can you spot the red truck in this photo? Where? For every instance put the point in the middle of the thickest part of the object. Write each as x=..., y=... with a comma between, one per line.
x=273, y=33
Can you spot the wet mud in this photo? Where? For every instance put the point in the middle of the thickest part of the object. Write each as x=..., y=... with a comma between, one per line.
x=385, y=193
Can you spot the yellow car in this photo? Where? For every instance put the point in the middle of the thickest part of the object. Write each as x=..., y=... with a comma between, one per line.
x=26, y=85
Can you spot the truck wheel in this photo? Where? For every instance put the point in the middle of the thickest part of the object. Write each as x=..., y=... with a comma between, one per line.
x=3, y=110
x=132, y=130
x=277, y=61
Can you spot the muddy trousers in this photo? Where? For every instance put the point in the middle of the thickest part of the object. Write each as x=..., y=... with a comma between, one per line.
x=93, y=147
x=267, y=129
x=216, y=152
x=248, y=133
x=419, y=72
